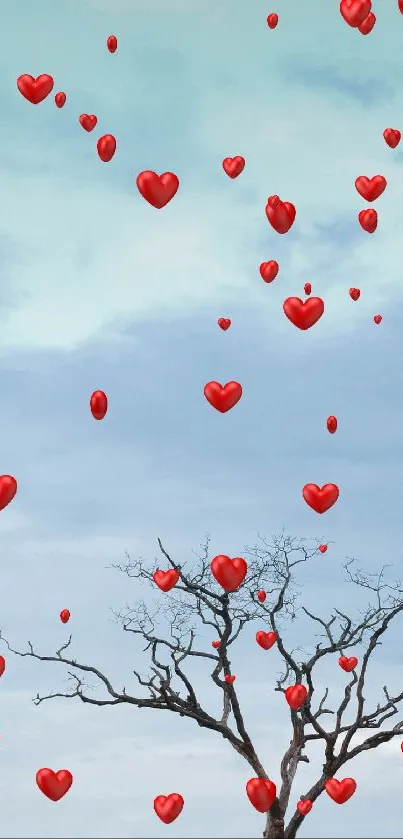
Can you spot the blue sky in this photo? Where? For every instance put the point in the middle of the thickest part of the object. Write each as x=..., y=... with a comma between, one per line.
x=100, y=290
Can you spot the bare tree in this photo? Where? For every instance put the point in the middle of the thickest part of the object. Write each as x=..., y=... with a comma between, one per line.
x=197, y=601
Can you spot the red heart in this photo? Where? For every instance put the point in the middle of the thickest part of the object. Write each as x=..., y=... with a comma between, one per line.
x=65, y=616
x=340, y=791
x=348, y=664
x=304, y=807
x=355, y=11
x=112, y=43
x=400, y=5
x=368, y=24
x=35, y=90
x=261, y=596
x=391, y=135
x=323, y=549
x=229, y=573
x=370, y=188
x=269, y=270
x=229, y=679
x=54, y=784
x=158, y=190
x=354, y=293
x=165, y=580
x=307, y=288
x=2, y=664
x=266, y=639
x=318, y=499
x=280, y=214
x=60, y=99
x=303, y=313
x=377, y=319
x=233, y=166
x=106, y=147
x=272, y=20
x=88, y=121
x=98, y=404
x=331, y=423
x=8, y=488
x=261, y=793
x=296, y=696
x=223, y=397
x=215, y=644
x=368, y=220
x=224, y=323
x=168, y=807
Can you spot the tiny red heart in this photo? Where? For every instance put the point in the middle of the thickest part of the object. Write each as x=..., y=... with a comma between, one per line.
x=354, y=293
x=60, y=99
x=168, y=807
x=340, y=791
x=269, y=270
x=348, y=664
x=377, y=319
x=229, y=573
x=35, y=90
x=368, y=24
x=98, y=404
x=370, y=188
x=368, y=220
x=165, y=580
x=323, y=549
x=280, y=214
x=355, y=11
x=266, y=639
x=65, y=616
x=400, y=6
x=215, y=644
x=307, y=288
x=331, y=424
x=233, y=166
x=224, y=323
x=2, y=664
x=229, y=679
x=303, y=313
x=88, y=121
x=8, y=489
x=392, y=136
x=54, y=784
x=261, y=793
x=106, y=147
x=158, y=190
x=296, y=696
x=272, y=20
x=223, y=397
x=261, y=596
x=320, y=499
x=112, y=43
x=304, y=807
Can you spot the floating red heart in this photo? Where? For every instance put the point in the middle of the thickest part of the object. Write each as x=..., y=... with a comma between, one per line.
x=303, y=313
x=88, y=121
x=261, y=793
x=322, y=499
x=368, y=24
x=392, y=136
x=54, y=784
x=35, y=90
x=296, y=696
x=233, y=166
x=304, y=807
x=307, y=288
x=8, y=488
x=2, y=664
x=158, y=190
x=224, y=323
x=229, y=573
x=280, y=214
x=331, y=424
x=368, y=220
x=168, y=807
x=377, y=319
x=323, y=549
x=355, y=11
x=354, y=293
x=400, y=5
x=229, y=679
x=215, y=644
x=65, y=616
x=60, y=99
x=112, y=43
x=106, y=147
x=269, y=270
x=340, y=791
x=165, y=580
x=370, y=188
x=272, y=20
x=266, y=639
x=223, y=397
x=261, y=596
x=348, y=664
x=98, y=404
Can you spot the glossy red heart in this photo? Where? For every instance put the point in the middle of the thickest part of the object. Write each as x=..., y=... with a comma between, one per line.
x=233, y=166
x=340, y=791
x=280, y=214
x=266, y=639
x=370, y=188
x=106, y=147
x=304, y=807
x=88, y=121
x=223, y=397
x=168, y=807
x=307, y=288
x=54, y=784
x=331, y=424
x=368, y=220
x=215, y=644
x=272, y=20
x=98, y=404
x=112, y=43
x=229, y=679
x=269, y=270
x=229, y=573
x=224, y=323
x=165, y=580
x=65, y=616
x=377, y=319
x=261, y=793
x=355, y=11
x=368, y=24
x=354, y=293
x=296, y=696
x=35, y=90
x=323, y=549
x=322, y=499
x=261, y=596
x=303, y=313
x=60, y=99
x=158, y=190
x=2, y=664
x=8, y=489
x=392, y=136
x=400, y=5
x=348, y=664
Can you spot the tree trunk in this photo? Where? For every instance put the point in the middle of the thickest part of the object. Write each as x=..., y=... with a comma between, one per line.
x=274, y=828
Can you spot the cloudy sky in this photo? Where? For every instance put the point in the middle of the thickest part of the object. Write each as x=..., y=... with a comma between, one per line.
x=100, y=290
